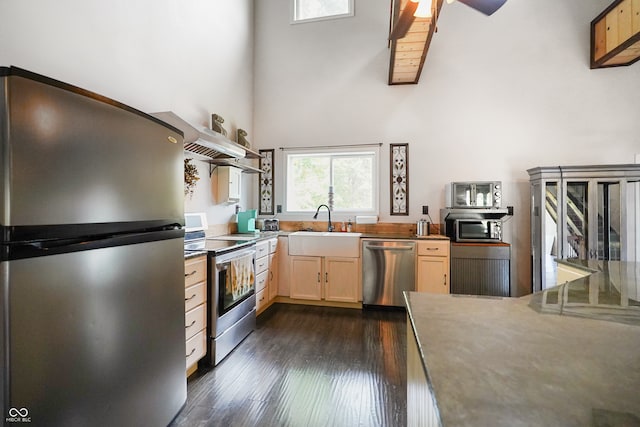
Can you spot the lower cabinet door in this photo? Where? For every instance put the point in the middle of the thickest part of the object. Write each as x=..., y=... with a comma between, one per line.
x=262, y=280
x=433, y=275
x=273, y=276
x=195, y=320
x=341, y=279
x=262, y=299
x=305, y=276
x=196, y=348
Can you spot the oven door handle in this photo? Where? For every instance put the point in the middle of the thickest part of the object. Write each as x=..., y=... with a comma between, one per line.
x=233, y=255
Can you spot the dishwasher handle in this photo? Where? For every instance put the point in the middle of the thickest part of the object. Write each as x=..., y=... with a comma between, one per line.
x=389, y=248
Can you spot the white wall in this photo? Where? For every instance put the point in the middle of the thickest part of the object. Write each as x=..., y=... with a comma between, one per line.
x=498, y=95
x=191, y=57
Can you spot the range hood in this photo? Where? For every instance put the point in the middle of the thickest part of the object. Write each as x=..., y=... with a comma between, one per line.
x=202, y=141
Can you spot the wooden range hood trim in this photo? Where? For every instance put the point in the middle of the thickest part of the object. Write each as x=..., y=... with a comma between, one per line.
x=421, y=44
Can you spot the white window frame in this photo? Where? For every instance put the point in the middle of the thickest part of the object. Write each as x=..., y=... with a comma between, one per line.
x=373, y=149
x=293, y=20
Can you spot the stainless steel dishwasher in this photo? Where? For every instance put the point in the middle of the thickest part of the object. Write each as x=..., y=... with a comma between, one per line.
x=388, y=269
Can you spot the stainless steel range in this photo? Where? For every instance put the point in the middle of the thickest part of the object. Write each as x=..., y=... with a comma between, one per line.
x=231, y=291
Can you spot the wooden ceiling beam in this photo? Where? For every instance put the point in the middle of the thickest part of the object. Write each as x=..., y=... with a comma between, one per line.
x=411, y=47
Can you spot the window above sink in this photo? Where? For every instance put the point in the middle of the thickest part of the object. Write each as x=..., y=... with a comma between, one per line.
x=350, y=172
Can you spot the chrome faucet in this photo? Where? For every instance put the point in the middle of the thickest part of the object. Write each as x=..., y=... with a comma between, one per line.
x=330, y=227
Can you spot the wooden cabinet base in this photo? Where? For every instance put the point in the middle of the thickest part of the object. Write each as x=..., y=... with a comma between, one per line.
x=321, y=303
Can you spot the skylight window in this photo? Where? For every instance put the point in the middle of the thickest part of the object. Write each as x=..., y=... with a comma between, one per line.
x=314, y=10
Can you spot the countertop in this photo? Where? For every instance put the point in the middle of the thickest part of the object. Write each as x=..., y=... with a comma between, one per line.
x=268, y=234
x=193, y=254
x=403, y=236
x=383, y=236
x=240, y=238
x=497, y=361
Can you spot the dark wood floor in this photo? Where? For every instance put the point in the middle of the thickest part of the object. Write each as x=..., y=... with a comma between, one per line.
x=307, y=366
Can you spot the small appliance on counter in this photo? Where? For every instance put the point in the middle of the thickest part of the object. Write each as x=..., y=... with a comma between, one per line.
x=422, y=228
x=480, y=194
x=271, y=224
x=247, y=221
x=474, y=212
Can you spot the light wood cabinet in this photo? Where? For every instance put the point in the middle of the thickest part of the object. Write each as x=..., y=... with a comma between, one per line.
x=273, y=275
x=615, y=35
x=284, y=263
x=266, y=273
x=306, y=277
x=433, y=266
x=341, y=279
x=329, y=278
x=229, y=184
x=195, y=304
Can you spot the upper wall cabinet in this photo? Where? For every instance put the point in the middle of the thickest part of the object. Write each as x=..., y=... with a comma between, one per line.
x=615, y=35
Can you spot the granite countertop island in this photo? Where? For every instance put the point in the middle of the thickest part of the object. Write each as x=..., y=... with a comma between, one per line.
x=567, y=356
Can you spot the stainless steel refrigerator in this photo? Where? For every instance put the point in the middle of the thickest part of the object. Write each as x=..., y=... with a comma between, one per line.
x=92, y=270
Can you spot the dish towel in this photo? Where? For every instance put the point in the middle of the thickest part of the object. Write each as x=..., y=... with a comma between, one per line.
x=241, y=276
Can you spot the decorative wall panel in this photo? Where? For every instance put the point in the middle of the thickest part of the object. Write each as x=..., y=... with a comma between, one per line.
x=266, y=183
x=399, y=173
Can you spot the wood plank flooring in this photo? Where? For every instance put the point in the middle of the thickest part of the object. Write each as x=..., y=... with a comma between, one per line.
x=307, y=366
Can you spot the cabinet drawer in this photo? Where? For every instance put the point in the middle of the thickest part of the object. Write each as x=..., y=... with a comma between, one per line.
x=262, y=249
x=195, y=320
x=434, y=248
x=261, y=280
x=196, y=348
x=262, y=264
x=262, y=299
x=273, y=245
x=195, y=295
x=195, y=270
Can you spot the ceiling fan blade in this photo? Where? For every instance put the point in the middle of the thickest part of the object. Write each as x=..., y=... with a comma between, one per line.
x=404, y=21
x=485, y=6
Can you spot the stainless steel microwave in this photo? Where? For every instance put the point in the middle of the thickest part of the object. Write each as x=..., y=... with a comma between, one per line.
x=477, y=230
x=481, y=194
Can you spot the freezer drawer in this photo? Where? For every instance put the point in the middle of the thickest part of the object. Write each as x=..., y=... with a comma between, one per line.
x=96, y=337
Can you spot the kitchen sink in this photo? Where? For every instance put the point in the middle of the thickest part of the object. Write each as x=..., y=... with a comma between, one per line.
x=318, y=243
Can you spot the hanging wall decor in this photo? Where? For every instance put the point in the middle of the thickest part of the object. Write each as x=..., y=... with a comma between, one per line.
x=190, y=177
x=399, y=173
x=266, y=183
